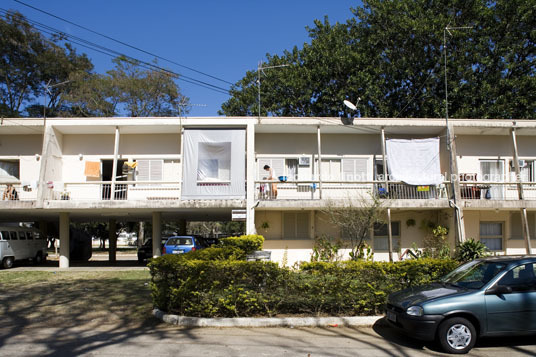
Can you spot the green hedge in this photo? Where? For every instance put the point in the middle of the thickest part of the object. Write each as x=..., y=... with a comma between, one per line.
x=218, y=288
x=248, y=243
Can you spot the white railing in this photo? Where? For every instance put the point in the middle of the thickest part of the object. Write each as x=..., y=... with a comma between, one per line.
x=124, y=190
x=266, y=190
x=480, y=190
x=18, y=192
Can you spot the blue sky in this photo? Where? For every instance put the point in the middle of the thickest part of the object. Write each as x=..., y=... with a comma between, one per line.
x=221, y=38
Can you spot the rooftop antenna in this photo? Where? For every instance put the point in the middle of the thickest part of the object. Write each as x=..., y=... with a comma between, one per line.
x=260, y=69
x=183, y=104
x=447, y=29
x=449, y=148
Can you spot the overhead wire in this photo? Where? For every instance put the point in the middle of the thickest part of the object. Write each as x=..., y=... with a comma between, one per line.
x=122, y=42
x=113, y=53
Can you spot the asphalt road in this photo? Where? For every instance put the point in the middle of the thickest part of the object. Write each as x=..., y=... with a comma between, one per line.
x=166, y=340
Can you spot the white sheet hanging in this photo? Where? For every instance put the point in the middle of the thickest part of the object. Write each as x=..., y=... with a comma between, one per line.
x=415, y=161
x=214, y=164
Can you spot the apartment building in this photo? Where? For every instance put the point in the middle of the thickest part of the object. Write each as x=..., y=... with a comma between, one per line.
x=204, y=169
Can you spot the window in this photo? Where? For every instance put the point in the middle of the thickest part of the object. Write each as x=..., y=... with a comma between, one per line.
x=149, y=170
x=22, y=236
x=13, y=235
x=296, y=225
x=491, y=235
x=214, y=162
x=277, y=165
x=381, y=236
x=354, y=169
x=331, y=169
x=520, y=278
x=493, y=171
x=29, y=235
x=5, y=235
x=9, y=169
x=292, y=169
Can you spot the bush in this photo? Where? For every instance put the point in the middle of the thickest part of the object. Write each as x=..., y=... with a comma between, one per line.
x=225, y=287
x=470, y=250
x=248, y=243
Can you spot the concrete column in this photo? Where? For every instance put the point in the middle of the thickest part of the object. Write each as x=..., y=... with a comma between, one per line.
x=389, y=230
x=524, y=219
x=389, y=235
x=157, y=234
x=319, y=143
x=455, y=186
x=112, y=240
x=250, y=179
x=114, y=166
x=64, y=240
x=181, y=226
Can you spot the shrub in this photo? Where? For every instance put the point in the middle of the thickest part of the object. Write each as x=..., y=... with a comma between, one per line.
x=248, y=243
x=225, y=287
x=470, y=249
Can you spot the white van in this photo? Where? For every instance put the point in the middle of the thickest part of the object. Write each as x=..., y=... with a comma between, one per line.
x=18, y=243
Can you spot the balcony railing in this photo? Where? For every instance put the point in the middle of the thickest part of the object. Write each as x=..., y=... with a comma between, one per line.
x=480, y=190
x=344, y=189
x=19, y=192
x=124, y=190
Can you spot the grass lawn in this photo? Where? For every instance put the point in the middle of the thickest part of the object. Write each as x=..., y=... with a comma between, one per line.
x=71, y=299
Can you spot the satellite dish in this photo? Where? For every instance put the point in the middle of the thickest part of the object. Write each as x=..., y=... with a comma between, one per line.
x=350, y=104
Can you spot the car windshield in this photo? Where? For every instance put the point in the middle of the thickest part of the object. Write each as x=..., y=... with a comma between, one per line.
x=473, y=275
x=180, y=241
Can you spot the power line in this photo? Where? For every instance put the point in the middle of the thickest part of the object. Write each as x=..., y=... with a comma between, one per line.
x=122, y=43
x=113, y=53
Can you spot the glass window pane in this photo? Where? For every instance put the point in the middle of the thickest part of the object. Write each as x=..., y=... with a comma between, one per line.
x=491, y=229
x=492, y=243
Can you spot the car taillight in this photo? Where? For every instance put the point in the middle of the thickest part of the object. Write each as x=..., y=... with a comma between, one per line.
x=163, y=250
x=193, y=248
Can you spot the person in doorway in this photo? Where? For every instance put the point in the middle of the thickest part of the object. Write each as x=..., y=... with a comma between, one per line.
x=10, y=193
x=273, y=186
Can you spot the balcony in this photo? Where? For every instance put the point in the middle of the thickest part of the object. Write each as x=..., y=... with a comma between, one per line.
x=22, y=192
x=310, y=190
x=493, y=191
x=124, y=190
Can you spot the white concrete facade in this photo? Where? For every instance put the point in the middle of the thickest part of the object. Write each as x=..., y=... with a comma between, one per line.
x=67, y=166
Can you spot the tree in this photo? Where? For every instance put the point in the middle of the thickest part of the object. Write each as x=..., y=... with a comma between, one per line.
x=28, y=62
x=356, y=219
x=390, y=53
x=126, y=90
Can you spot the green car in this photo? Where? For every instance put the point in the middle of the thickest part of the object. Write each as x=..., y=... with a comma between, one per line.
x=486, y=297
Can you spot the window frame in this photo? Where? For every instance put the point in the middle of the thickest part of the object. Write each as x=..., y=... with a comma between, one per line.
x=397, y=237
x=501, y=237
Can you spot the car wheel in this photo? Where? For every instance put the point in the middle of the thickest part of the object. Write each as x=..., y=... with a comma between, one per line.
x=38, y=258
x=457, y=335
x=8, y=262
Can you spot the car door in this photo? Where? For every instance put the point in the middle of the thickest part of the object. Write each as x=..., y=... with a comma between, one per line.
x=515, y=311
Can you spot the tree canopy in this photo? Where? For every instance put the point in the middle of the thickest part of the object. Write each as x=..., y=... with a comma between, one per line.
x=390, y=53
x=32, y=65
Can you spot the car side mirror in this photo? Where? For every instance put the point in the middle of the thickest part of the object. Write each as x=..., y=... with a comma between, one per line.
x=499, y=290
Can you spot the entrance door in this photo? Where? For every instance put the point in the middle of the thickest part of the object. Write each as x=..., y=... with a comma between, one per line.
x=493, y=171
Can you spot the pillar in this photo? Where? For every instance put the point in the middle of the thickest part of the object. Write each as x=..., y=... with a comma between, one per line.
x=114, y=166
x=157, y=234
x=181, y=226
x=455, y=186
x=112, y=240
x=250, y=179
x=64, y=240
x=521, y=195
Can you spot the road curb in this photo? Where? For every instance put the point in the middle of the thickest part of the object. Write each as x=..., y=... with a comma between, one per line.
x=186, y=321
